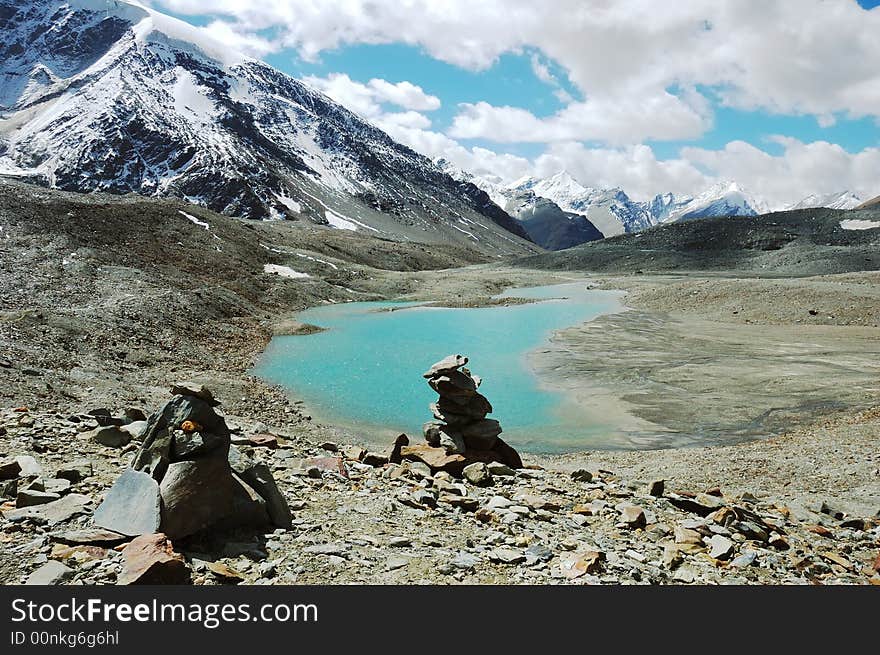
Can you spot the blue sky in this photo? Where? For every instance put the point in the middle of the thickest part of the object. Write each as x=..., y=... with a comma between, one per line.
x=711, y=91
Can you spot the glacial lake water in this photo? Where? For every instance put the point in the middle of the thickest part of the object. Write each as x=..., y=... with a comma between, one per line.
x=364, y=373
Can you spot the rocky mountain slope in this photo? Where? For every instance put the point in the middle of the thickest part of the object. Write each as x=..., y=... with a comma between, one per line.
x=801, y=242
x=115, y=97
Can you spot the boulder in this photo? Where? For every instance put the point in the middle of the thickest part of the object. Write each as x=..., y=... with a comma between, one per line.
x=132, y=506
x=137, y=429
x=150, y=559
x=259, y=477
x=435, y=457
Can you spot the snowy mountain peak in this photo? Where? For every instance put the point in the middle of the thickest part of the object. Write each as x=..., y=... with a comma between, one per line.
x=839, y=200
x=114, y=96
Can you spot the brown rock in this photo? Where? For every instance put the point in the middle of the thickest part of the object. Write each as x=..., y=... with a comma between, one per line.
x=466, y=504
x=330, y=464
x=224, y=572
x=575, y=565
x=633, y=516
x=150, y=559
x=396, y=457
x=436, y=458
x=262, y=441
x=355, y=453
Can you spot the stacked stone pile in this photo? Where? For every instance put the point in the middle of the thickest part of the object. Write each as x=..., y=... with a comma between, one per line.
x=461, y=434
x=187, y=477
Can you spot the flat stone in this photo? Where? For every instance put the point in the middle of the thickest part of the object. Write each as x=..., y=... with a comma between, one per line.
x=224, y=572
x=90, y=537
x=507, y=556
x=539, y=552
x=396, y=562
x=260, y=440
x=329, y=464
x=456, y=385
x=446, y=365
x=56, y=485
x=9, y=469
x=29, y=466
x=29, y=498
x=132, y=506
x=76, y=471
x=466, y=504
x=150, y=559
x=57, y=511
x=464, y=560
x=111, y=436
x=720, y=547
x=436, y=458
x=477, y=474
x=51, y=573
x=747, y=558
x=576, y=565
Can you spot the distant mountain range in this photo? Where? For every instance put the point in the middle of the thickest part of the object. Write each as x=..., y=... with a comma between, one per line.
x=572, y=213
x=111, y=96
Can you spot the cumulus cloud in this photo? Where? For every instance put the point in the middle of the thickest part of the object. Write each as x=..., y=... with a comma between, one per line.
x=807, y=57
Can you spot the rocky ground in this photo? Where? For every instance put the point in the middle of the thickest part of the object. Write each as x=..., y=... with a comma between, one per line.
x=94, y=316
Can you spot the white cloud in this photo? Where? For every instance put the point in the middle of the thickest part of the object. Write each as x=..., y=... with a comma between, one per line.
x=813, y=57
x=369, y=99
x=618, y=121
x=801, y=169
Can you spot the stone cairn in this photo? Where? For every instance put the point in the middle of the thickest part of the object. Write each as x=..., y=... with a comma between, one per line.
x=461, y=434
x=187, y=477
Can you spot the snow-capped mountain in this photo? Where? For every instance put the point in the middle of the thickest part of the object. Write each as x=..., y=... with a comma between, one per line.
x=113, y=96
x=840, y=200
x=721, y=199
x=610, y=210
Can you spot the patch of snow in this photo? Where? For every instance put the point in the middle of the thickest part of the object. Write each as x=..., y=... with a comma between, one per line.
x=194, y=220
x=857, y=224
x=345, y=222
x=320, y=261
x=290, y=203
x=284, y=271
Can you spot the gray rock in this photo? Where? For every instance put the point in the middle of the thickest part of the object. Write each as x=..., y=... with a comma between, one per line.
x=507, y=556
x=9, y=469
x=29, y=466
x=477, y=474
x=137, y=429
x=452, y=441
x=76, y=471
x=132, y=506
x=464, y=560
x=744, y=560
x=456, y=385
x=499, y=469
x=29, y=498
x=326, y=549
x=8, y=489
x=720, y=547
x=396, y=562
x=51, y=573
x=90, y=537
x=259, y=478
x=57, y=485
x=57, y=511
x=195, y=390
x=111, y=436
x=446, y=365
x=201, y=493
x=539, y=552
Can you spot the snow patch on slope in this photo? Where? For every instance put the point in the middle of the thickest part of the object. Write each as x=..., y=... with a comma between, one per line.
x=284, y=271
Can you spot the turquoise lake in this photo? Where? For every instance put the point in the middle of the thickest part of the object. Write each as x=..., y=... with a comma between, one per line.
x=364, y=373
